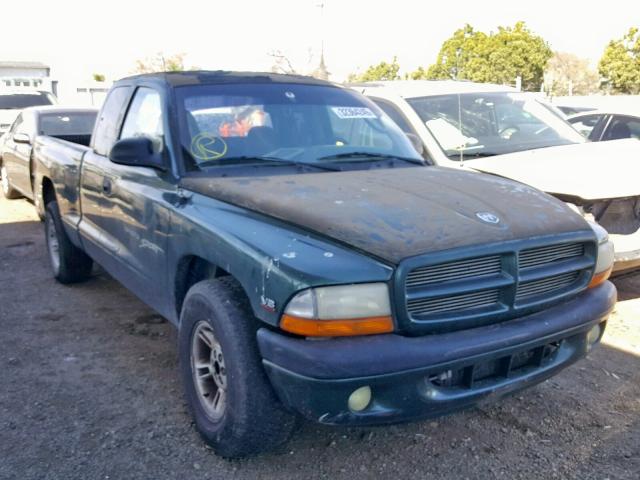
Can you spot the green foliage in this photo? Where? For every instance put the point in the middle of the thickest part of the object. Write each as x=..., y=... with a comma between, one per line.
x=497, y=57
x=98, y=77
x=161, y=63
x=381, y=71
x=620, y=64
x=568, y=74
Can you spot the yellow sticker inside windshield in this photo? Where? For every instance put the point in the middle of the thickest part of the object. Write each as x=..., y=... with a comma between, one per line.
x=208, y=146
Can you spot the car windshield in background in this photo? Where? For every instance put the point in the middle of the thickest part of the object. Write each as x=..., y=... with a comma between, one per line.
x=292, y=123
x=474, y=125
x=77, y=123
x=13, y=101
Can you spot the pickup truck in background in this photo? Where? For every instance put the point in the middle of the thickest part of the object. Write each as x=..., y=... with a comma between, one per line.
x=311, y=262
x=14, y=100
x=33, y=125
x=496, y=129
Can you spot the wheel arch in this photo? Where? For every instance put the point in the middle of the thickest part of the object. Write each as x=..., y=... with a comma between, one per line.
x=190, y=270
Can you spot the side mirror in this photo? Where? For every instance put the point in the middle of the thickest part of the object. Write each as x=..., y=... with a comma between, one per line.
x=21, y=138
x=137, y=152
x=416, y=142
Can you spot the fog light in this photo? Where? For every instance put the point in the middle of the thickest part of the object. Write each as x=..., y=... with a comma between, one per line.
x=359, y=399
x=593, y=335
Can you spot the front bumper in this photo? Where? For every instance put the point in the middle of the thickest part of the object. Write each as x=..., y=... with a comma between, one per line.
x=419, y=377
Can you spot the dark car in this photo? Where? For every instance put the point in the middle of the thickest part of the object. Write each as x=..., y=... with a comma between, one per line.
x=311, y=262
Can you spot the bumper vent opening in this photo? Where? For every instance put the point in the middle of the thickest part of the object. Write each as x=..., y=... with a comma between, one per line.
x=489, y=371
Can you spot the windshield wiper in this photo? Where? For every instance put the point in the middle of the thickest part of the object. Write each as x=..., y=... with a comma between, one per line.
x=471, y=156
x=264, y=158
x=372, y=156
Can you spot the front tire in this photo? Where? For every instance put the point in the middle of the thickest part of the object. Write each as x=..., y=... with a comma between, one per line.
x=7, y=190
x=68, y=262
x=228, y=393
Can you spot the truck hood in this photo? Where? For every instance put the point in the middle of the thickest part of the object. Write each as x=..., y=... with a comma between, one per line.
x=589, y=171
x=398, y=213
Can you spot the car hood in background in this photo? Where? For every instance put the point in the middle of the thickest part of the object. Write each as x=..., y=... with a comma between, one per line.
x=590, y=171
x=398, y=213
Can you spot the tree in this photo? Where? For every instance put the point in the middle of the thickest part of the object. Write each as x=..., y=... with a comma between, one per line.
x=567, y=74
x=620, y=64
x=161, y=63
x=281, y=63
x=381, y=71
x=98, y=77
x=497, y=57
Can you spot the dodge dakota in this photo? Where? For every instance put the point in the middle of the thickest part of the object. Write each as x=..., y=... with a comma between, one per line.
x=312, y=264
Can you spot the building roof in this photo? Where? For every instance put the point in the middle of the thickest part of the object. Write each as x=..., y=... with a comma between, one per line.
x=424, y=88
x=18, y=64
x=206, y=77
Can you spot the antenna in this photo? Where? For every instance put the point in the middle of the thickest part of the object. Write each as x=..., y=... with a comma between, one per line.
x=460, y=129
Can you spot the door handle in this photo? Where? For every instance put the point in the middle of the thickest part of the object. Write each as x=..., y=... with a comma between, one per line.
x=106, y=186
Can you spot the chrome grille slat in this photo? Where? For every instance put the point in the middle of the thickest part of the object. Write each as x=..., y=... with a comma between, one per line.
x=534, y=257
x=461, y=302
x=544, y=285
x=457, y=270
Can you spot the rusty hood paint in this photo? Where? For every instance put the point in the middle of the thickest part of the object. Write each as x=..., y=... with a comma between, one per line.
x=398, y=213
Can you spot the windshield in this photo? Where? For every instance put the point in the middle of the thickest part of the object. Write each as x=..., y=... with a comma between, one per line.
x=13, y=101
x=247, y=123
x=474, y=125
x=67, y=124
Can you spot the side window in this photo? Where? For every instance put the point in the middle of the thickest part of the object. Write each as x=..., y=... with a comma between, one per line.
x=106, y=130
x=623, y=127
x=394, y=114
x=586, y=124
x=144, y=118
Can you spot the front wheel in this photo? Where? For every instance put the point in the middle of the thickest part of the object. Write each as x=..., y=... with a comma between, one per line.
x=232, y=402
x=7, y=190
x=68, y=262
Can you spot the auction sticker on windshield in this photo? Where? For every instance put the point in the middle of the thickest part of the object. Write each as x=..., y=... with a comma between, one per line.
x=353, y=112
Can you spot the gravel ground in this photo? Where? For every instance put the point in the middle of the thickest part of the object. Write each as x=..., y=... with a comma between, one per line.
x=91, y=390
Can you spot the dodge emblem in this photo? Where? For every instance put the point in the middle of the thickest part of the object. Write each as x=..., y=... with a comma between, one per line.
x=488, y=217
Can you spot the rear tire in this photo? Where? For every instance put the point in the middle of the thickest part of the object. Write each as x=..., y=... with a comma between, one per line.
x=7, y=190
x=229, y=395
x=68, y=262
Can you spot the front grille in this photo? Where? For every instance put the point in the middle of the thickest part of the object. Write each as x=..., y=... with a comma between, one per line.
x=475, y=290
x=534, y=257
x=457, y=270
x=467, y=301
x=545, y=285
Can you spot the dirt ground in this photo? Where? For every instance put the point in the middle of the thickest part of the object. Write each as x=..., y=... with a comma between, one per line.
x=90, y=390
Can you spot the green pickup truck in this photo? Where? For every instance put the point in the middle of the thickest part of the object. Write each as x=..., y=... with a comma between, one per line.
x=311, y=262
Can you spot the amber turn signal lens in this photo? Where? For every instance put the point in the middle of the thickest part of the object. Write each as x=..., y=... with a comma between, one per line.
x=598, y=278
x=336, y=328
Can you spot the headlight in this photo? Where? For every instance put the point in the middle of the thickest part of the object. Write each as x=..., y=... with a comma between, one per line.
x=342, y=310
x=606, y=252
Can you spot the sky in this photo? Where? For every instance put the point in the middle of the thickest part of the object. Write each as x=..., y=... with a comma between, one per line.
x=79, y=38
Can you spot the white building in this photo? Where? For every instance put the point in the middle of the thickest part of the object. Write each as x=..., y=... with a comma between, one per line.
x=34, y=75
